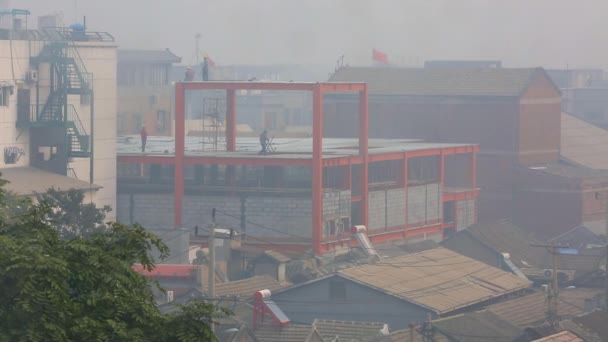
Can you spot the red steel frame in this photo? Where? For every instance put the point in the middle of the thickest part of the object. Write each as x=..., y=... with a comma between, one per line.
x=317, y=163
x=318, y=90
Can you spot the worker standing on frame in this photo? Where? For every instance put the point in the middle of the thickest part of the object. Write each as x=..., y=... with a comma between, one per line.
x=264, y=142
x=205, y=68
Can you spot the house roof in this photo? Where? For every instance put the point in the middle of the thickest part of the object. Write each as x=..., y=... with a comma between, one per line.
x=564, y=336
x=594, y=322
x=288, y=333
x=583, y=143
x=531, y=309
x=167, y=270
x=567, y=170
x=579, y=237
x=29, y=181
x=349, y=331
x=147, y=56
x=501, y=237
x=440, y=81
x=478, y=326
x=405, y=335
x=247, y=287
x=438, y=279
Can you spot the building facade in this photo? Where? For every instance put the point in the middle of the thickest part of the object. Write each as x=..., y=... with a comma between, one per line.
x=58, y=107
x=513, y=114
x=304, y=193
x=145, y=93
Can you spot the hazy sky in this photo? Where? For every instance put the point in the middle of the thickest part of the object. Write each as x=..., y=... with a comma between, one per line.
x=551, y=33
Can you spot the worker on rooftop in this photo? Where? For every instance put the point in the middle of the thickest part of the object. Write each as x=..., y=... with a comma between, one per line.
x=189, y=75
x=264, y=141
x=144, y=138
x=205, y=68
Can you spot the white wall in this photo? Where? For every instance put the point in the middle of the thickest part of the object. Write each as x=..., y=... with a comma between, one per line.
x=99, y=59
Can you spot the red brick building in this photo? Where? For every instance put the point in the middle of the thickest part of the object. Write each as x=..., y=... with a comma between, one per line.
x=514, y=114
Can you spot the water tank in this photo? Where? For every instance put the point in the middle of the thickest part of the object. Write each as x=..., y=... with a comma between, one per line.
x=262, y=294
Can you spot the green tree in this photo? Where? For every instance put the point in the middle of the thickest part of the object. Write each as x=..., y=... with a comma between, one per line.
x=71, y=216
x=84, y=289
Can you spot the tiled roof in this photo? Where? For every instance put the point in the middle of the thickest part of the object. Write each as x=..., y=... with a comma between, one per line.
x=583, y=143
x=595, y=322
x=531, y=309
x=166, y=270
x=147, y=56
x=441, y=82
x=564, y=336
x=501, y=237
x=477, y=327
x=348, y=331
x=289, y=333
x=438, y=279
x=247, y=287
x=405, y=336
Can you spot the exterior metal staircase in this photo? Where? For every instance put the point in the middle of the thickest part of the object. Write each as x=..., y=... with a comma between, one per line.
x=68, y=77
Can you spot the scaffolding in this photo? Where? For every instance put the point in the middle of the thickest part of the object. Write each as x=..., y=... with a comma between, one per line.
x=213, y=134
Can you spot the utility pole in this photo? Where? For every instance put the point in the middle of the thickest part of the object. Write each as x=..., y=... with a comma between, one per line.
x=211, y=290
x=552, y=310
x=606, y=267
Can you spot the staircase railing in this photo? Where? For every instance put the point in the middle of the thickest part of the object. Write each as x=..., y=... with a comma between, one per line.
x=75, y=118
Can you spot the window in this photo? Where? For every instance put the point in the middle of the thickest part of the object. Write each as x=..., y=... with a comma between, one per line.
x=330, y=228
x=137, y=122
x=337, y=290
x=5, y=93
x=161, y=120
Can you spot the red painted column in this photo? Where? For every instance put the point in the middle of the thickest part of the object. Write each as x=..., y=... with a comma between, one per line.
x=180, y=143
x=441, y=188
x=230, y=120
x=405, y=184
x=473, y=169
x=317, y=169
x=363, y=152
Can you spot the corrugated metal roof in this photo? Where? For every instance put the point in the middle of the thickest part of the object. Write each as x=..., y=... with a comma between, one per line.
x=583, y=143
x=147, y=56
x=28, y=181
x=405, y=336
x=439, y=82
x=531, y=309
x=289, y=333
x=479, y=326
x=564, y=336
x=247, y=287
x=438, y=279
x=348, y=331
x=501, y=237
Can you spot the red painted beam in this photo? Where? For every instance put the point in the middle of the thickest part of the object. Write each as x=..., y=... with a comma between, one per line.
x=209, y=160
x=180, y=148
x=317, y=169
x=342, y=87
x=228, y=85
x=231, y=120
x=457, y=196
x=145, y=159
x=364, y=154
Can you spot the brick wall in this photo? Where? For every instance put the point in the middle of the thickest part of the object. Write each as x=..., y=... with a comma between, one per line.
x=386, y=208
x=424, y=204
x=292, y=215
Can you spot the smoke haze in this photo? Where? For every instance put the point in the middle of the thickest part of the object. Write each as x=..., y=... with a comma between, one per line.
x=551, y=33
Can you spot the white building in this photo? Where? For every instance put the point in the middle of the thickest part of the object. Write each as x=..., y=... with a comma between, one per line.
x=58, y=111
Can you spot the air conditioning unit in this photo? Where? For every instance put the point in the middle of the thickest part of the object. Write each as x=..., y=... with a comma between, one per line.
x=561, y=275
x=32, y=76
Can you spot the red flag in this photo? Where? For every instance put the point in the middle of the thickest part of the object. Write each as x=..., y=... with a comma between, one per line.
x=379, y=56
